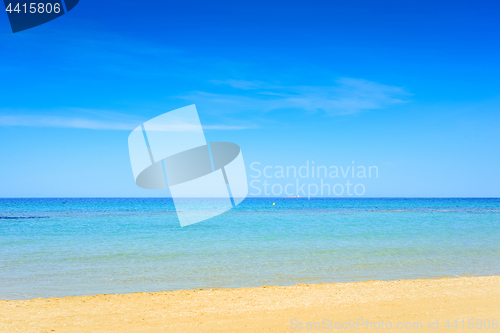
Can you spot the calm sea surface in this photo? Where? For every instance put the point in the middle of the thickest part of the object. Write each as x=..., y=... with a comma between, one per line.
x=62, y=247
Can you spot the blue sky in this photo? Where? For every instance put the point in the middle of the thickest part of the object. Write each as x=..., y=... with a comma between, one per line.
x=409, y=86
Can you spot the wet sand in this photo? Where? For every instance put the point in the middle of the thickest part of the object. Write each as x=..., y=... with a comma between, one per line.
x=299, y=308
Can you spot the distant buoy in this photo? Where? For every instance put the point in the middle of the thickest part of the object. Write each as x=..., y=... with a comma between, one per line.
x=273, y=203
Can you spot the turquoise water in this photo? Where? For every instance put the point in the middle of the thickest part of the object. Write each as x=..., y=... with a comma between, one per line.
x=62, y=247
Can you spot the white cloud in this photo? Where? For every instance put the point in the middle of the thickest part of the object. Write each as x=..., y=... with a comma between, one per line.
x=241, y=84
x=346, y=96
x=62, y=122
x=96, y=124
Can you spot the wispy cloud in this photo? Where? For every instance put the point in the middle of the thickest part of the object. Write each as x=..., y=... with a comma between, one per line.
x=96, y=124
x=62, y=122
x=242, y=84
x=346, y=96
x=184, y=126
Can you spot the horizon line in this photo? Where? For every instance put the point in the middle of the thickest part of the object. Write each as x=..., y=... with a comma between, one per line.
x=255, y=197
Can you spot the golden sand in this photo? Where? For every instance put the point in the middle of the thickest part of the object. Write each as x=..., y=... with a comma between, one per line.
x=271, y=309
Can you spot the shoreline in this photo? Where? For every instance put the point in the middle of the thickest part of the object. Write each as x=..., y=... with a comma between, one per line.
x=298, y=307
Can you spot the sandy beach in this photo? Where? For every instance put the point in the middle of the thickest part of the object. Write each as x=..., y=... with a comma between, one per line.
x=362, y=306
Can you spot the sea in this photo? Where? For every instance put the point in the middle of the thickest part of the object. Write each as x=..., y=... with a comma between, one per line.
x=67, y=247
